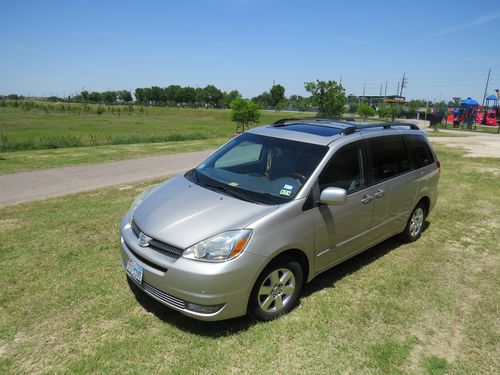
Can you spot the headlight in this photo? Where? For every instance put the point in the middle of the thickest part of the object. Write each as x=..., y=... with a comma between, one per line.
x=221, y=247
x=137, y=202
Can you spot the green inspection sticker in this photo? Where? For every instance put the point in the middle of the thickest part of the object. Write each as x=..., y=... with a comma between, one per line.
x=285, y=192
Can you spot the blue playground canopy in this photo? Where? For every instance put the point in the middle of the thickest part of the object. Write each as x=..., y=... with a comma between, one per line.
x=492, y=97
x=469, y=102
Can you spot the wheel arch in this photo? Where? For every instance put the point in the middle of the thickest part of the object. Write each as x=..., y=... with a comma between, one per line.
x=426, y=202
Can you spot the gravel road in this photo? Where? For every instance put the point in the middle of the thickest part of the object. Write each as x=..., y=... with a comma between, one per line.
x=29, y=186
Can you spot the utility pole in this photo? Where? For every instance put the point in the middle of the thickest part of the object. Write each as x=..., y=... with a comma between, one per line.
x=364, y=89
x=404, y=81
x=397, y=92
x=486, y=87
x=340, y=81
x=380, y=95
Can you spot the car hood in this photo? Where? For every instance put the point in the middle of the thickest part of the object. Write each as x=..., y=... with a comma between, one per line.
x=181, y=213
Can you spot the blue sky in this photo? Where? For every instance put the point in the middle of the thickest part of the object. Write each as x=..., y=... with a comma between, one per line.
x=62, y=47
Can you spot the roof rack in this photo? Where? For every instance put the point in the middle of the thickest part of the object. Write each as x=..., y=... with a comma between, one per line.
x=386, y=125
x=283, y=121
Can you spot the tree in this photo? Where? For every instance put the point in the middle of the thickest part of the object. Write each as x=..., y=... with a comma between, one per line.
x=124, y=95
x=155, y=95
x=328, y=96
x=213, y=96
x=297, y=103
x=85, y=96
x=263, y=100
x=387, y=112
x=414, y=105
x=244, y=113
x=277, y=94
x=187, y=96
x=366, y=110
x=109, y=97
x=95, y=97
x=229, y=97
x=139, y=95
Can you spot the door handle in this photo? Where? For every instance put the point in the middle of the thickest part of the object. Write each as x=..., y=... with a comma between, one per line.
x=366, y=199
x=380, y=193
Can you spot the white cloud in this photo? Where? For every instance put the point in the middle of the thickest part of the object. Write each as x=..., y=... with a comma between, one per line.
x=476, y=22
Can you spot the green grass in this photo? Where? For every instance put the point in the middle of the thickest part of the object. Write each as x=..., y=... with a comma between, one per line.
x=437, y=133
x=478, y=129
x=41, y=159
x=21, y=130
x=430, y=307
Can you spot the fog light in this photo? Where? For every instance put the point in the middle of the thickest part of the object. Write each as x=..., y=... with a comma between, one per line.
x=203, y=309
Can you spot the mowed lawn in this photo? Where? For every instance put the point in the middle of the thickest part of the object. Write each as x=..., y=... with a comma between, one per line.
x=429, y=307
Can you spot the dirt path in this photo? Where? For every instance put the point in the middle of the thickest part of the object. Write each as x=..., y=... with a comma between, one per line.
x=29, y=186
x=475, y=144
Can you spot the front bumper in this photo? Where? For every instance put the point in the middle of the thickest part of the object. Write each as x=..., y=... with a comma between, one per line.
x=177, y=282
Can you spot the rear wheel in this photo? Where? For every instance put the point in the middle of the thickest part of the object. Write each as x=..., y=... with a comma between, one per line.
x=415, y=224
x=277, y=289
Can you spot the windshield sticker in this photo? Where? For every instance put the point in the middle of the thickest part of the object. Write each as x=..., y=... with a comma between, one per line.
x=285, y=192
x=233, y=184
x=288, y=187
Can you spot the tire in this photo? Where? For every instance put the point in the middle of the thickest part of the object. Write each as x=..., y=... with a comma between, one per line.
x=277, y=289
x=415, y=224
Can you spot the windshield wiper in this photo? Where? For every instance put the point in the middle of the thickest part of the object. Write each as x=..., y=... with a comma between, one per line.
x=230, y=192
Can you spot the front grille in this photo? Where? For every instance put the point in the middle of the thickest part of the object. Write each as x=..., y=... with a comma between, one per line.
x=159, y=246
x=162, y=296
x=165, y=249
x=145, y=261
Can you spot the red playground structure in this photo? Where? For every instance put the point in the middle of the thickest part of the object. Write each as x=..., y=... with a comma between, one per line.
x=470, y=112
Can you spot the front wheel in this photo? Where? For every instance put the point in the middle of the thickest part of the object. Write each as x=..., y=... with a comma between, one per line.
x=277, y=289
x=415, y=224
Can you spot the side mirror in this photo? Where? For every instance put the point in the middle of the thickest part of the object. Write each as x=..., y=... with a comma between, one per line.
x=333, y=196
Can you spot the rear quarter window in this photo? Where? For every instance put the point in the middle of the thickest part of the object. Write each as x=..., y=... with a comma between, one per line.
x=389, y=157
x=420, y=150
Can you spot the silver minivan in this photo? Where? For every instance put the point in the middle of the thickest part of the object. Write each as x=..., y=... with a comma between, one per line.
x=273, y=208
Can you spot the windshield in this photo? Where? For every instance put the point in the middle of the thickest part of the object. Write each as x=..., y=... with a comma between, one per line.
x=259, y=168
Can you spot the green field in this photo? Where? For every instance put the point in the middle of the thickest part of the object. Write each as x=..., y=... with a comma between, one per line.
x=430, y=307
x=38, y=140
x=21, y=130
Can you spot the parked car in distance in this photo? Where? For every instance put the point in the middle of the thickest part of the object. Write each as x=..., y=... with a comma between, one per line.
x=274, y=207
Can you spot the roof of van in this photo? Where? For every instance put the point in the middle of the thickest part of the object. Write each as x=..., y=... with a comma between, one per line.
x=323, y=131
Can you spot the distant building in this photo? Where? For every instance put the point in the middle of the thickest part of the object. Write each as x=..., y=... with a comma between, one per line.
x=376, y=100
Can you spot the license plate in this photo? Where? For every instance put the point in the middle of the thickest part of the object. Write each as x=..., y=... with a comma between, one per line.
x=134, y=270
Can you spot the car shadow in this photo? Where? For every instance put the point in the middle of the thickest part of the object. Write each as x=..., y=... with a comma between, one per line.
x=327, y=279
x=198, y=327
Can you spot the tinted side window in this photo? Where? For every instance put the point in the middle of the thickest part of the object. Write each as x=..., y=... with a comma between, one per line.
x=389, y=157
x=345, y=169
x=420, y=150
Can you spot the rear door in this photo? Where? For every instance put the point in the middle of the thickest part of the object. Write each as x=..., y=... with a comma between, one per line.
x=393, y=185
